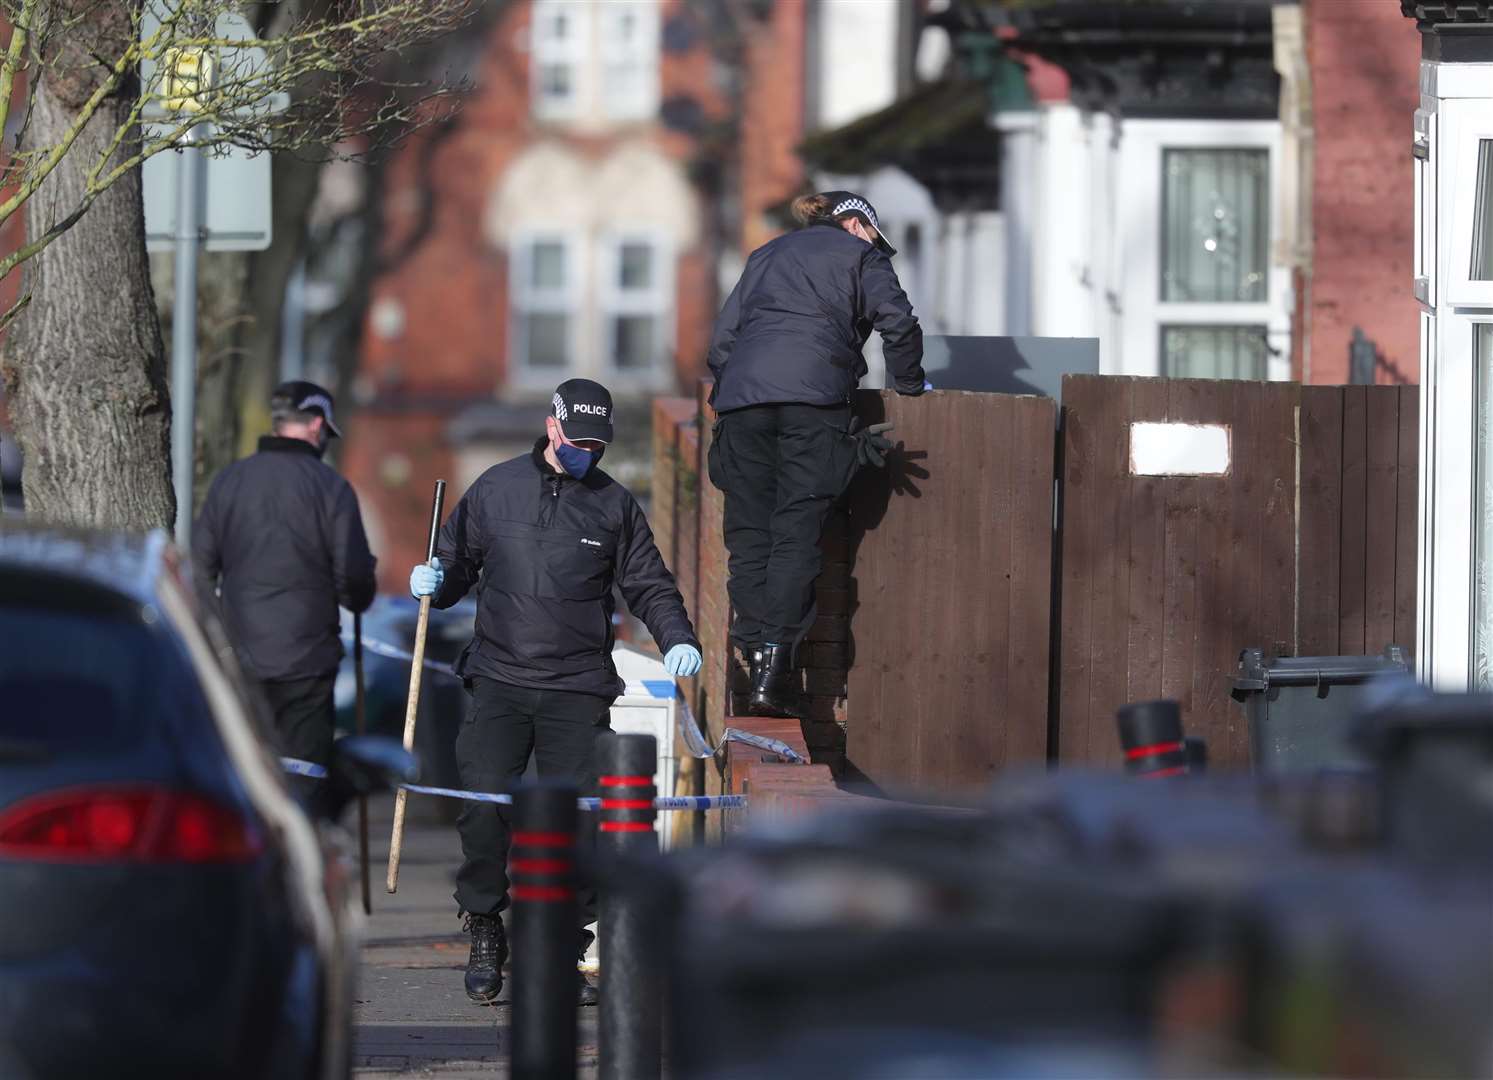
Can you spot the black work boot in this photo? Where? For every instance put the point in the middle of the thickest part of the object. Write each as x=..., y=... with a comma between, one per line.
x=485, y=965
x=772, y=690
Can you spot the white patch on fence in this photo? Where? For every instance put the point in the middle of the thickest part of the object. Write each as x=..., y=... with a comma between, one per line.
x=1179, y=449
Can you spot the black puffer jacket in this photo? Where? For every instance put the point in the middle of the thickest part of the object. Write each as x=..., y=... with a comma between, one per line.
x=548, y=549
x=792, y=330
x=278, y=545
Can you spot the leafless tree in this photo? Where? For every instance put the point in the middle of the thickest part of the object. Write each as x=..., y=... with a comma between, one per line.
x=112, y=83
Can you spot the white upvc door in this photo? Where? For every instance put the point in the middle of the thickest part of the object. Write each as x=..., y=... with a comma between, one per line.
x=1199, y=290
x=1454, y=284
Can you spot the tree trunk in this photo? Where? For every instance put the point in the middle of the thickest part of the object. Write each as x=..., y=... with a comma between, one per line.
x=84, y=366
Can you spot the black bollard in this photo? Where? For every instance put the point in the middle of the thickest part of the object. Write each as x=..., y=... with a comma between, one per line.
x=631, y=985
x=542, y=867
x=1151, y=735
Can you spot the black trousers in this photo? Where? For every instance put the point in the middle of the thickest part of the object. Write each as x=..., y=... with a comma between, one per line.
x=505, y=725
x=781, y=468
x=304, y=716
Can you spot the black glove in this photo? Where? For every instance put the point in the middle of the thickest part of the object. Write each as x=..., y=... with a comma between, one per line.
x=871, y=444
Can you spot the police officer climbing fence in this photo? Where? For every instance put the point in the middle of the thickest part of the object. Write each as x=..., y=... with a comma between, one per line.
x=543, y=538
x=279, y=544
x=786, y=354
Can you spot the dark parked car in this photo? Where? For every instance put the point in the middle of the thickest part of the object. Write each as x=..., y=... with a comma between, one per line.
x=168, y=908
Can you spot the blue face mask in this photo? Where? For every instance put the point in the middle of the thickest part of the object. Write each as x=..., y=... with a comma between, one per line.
x=575, y=461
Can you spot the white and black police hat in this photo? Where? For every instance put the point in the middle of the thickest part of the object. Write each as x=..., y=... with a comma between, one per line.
x=307, y=397
x=584, y=409
x=848, y=203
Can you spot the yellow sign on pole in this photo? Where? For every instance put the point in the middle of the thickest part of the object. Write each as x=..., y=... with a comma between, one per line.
x=188, y=74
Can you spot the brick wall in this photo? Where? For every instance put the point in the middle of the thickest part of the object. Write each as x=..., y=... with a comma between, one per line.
x=712, y=609
x=772, y=122
x=1364, y=60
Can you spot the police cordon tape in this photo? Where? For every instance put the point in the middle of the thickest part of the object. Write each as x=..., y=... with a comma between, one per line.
x=298, y=767
x=660, y=689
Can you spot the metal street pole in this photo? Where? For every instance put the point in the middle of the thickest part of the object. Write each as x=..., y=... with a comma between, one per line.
x=184, y=328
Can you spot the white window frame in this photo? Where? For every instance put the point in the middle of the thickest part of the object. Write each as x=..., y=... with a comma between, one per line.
x=644, y=53
x=1141, y=188
x=524, y=299
x=1469, y=130
x=658, y=301
x=1456, y=103
x=574, y=52
x=1425, y=208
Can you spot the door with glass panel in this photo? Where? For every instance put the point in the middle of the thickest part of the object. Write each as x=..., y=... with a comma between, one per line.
x=1199, y=296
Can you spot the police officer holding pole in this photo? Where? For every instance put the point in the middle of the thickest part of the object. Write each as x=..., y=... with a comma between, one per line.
x=279, y=544
x=786, y=354
x=543, y=538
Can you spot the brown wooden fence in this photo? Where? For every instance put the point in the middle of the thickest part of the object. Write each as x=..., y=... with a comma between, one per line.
x=938, y=598
x=1359, y=486
x=951, y=564
x=1166, y=578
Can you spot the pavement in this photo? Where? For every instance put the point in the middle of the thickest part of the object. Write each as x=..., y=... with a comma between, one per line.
x=412, y=1016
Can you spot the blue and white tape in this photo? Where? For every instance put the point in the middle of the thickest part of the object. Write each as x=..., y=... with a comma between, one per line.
x=298, y=767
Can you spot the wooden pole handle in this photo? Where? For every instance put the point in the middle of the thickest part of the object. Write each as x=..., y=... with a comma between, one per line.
x=412, y=705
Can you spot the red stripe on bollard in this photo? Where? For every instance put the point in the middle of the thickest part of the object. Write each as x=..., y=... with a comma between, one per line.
x=543, y=839
x=540, y=866
x=541, y=893
x=626, y=781
x=1161, y=774
x=626, y=826
x=1153, y=750
x=627, y=804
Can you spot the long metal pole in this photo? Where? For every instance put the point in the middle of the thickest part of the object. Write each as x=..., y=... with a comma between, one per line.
x=360, y=703
x=184, y=329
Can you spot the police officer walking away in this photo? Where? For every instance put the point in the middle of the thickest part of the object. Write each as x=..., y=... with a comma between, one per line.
x=786, y=354
x=543, y=537
x=279, y=544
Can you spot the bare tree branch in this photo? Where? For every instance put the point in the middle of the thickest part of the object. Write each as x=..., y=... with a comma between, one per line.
x=322, y=82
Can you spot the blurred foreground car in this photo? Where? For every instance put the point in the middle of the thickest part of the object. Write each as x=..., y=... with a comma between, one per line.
x=169, y=909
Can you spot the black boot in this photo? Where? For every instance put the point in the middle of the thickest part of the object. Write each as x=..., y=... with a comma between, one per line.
x=754, y=666
x=489, y=952
x=772, y=690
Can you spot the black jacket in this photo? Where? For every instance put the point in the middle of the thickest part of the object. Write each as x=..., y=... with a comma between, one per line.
x=278, y=545
x=792, y=330
x=548, y=549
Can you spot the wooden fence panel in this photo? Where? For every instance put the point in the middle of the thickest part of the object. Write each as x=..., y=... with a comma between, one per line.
x=951, y=571
x=1318, y=631
x=1209, y=562
x=1359, y=485
x=1407, y=510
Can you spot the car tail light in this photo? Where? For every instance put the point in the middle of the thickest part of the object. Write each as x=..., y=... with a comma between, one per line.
x=151, y=825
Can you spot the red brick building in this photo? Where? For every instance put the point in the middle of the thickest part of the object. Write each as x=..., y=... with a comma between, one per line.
x=555, y=228
x=1364, y=66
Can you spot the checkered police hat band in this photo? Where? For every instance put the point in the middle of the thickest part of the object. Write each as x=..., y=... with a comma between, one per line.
x=857, y=204
x=316, y=401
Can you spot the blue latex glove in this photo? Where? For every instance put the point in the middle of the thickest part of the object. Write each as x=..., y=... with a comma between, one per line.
x=927, y=385
x=425, y=580
x=682, y=660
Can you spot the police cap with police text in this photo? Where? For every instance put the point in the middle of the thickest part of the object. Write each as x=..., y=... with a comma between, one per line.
x=584, y=409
